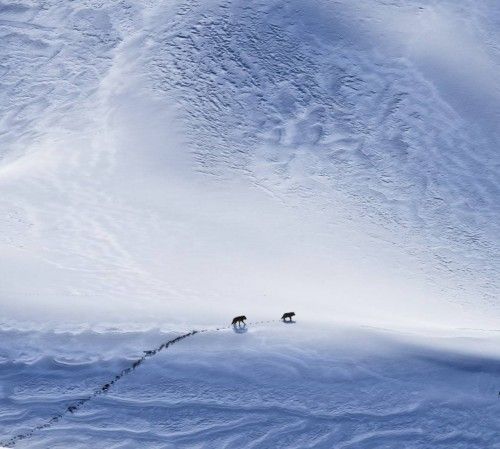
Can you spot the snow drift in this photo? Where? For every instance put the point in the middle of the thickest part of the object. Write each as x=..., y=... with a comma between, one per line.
x=278, y=385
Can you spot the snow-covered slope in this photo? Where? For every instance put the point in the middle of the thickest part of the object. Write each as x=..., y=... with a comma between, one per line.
x=176, y=163
x=313, y=103
x=171, y=153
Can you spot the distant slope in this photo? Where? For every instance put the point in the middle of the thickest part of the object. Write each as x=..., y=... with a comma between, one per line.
x=182, y=158
x=309, y=100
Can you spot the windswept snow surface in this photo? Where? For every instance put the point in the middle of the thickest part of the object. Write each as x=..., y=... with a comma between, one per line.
x=170, y=164
x=274, y=386
x=167, y=160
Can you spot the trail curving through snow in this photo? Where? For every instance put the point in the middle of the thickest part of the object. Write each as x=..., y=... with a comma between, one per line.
x=74, y=407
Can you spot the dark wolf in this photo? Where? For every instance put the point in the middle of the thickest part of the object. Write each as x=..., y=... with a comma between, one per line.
x=238, y=320
x=288, y=315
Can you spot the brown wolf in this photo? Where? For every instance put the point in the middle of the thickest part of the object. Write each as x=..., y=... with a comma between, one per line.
x=288, y=315
x=238, y=320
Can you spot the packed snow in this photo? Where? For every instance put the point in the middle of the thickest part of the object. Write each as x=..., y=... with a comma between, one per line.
x=277, y=385
x=168, y=165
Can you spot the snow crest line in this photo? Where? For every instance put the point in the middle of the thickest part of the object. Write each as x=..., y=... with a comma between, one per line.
x=74, y=407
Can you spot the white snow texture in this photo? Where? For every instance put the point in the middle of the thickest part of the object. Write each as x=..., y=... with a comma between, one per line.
x=166, y=165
